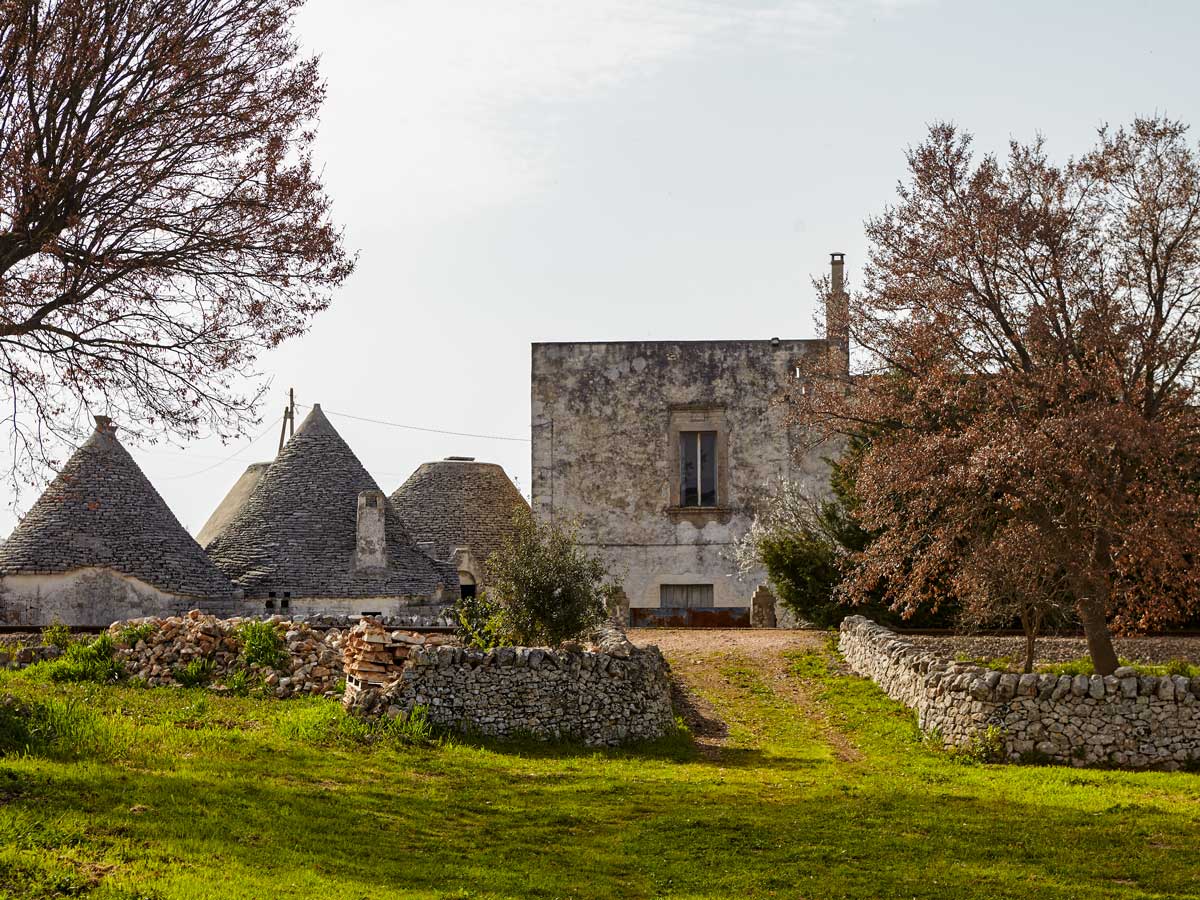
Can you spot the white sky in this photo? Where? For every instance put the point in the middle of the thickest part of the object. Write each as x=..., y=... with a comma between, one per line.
x=635, y=169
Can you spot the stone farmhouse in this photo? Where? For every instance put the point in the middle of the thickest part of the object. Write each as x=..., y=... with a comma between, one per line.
x=659, y=450
x=309, y=533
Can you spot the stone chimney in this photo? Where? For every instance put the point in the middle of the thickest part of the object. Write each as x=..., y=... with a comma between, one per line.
x=837, y=311
x=370, y=550
x=105, y=425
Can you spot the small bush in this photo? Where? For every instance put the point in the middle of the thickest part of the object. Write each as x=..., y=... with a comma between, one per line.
x=241, y=682
x=548, y=588
x=131, y=634
x=197, y=673
x=480, y=622
x=987, y=747
x=92, y=661
x=261, y=644
x=56, y=634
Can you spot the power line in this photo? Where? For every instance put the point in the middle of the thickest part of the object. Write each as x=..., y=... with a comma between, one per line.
x=228, y=458
x=490, y=437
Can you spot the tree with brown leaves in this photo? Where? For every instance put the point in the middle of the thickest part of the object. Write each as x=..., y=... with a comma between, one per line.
x=161, y=222
x=1029, y=344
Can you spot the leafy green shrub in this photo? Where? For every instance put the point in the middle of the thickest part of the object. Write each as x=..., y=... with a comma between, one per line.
x=240, y=682
x=93, y=661
x=197, y=673
x=262, y=644
x=131, y=634
x=480, y=622
x=987, y=747
x=547, y=587
x=808, y=542
x=56, y=634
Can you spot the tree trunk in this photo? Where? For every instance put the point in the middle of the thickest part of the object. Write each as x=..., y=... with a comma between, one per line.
x=1095, y=627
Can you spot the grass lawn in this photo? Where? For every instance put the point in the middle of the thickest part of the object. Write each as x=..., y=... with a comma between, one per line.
x=821, y=789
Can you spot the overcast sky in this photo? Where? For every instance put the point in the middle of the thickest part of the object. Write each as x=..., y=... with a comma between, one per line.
x=636, y=169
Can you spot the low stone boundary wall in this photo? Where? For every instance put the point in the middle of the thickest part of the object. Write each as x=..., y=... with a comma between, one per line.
x=1123, y=719
x=312, y=662
x=20, y=657
x=609, y=694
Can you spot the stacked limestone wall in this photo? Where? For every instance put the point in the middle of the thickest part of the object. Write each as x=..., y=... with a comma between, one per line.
x=312, y=659
x=1123, y=719
x=610, y=694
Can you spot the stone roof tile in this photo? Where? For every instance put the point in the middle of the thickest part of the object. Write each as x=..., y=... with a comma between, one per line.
x=459, y=502
x=102, y=511
x=296, y=532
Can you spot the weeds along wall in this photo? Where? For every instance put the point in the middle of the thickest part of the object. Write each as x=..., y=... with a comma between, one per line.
x=610, y=694
x=1123, y=719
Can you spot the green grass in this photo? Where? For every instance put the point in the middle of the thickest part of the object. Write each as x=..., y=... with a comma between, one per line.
x=1083, y=666
x=180, y=793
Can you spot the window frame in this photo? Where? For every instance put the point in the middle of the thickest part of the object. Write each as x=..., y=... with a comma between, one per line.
x=702, y=482
x=683, y=417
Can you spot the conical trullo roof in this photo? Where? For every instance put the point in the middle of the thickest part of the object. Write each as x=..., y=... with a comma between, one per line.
x=228, y=508
x=459, y=502
x=102, y=511
x=297, y=531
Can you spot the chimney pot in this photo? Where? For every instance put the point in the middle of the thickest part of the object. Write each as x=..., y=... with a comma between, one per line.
x=837, y=311
x=105, y=424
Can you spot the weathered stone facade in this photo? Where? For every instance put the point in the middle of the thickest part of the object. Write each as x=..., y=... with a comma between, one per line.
x=607, y=420
x=90, y=597
x=611, y=694
x=1123, y=719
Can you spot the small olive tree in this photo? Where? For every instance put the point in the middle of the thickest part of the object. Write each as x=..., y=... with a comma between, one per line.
x=543, y=586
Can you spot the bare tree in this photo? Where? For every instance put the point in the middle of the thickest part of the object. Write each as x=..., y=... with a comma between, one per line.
x=1030, y=336
x=160, y=219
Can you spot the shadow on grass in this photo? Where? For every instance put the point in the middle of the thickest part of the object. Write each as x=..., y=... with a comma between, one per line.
x=698, y=715
x=429, y=823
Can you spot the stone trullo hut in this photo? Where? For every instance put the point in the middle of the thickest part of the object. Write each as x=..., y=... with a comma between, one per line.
x=317, y=536
x=460, y=511
x=100, y=545
x=228, y=509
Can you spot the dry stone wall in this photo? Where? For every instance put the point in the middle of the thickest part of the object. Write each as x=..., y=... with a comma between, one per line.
x=1123, y=719
x=311, y=662
x=20, y=657
x=609, y=694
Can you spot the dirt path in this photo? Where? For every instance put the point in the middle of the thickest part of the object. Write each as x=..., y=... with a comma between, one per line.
x=696, y=656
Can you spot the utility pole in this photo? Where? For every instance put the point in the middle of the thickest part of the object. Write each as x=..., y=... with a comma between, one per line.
x=287, y=427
